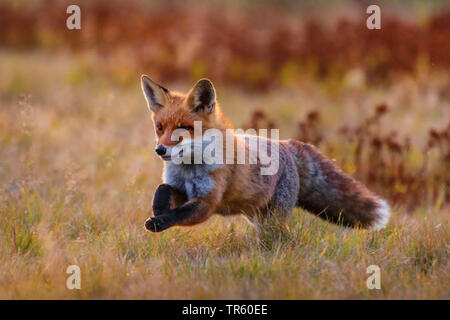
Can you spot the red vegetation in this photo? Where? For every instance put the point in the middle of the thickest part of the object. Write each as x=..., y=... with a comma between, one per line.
x=251, y=47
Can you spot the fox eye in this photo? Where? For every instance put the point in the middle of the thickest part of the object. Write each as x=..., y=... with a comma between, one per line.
x=189, y=128
x=159, y=127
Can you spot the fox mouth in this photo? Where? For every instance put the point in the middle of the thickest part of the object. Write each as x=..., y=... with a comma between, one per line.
x=169, y=157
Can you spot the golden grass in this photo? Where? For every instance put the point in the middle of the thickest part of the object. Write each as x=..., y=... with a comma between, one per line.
x=77, y=175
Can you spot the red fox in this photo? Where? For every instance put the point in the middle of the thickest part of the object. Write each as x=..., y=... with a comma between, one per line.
x=191, y=193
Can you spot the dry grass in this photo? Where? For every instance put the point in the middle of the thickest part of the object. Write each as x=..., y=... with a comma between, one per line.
x=77, y=174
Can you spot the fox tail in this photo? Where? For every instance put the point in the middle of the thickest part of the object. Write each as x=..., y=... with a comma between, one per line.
x=330, y=193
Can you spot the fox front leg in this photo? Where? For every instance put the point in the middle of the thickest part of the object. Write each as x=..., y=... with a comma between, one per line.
x=161, y=208
x=166, y=197
x=162, y=199
x=188, y=214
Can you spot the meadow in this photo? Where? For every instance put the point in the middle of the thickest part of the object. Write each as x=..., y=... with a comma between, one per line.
x=78, y=170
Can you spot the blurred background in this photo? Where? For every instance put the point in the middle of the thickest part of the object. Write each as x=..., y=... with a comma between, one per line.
x=256, y=44
x=76, y=140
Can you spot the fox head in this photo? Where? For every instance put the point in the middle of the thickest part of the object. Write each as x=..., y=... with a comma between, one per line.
x=174, y=112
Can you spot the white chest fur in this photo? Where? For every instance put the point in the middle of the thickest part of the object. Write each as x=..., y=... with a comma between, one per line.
x=194, y=180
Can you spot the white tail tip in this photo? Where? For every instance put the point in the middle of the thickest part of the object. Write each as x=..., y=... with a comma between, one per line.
x=383, y=213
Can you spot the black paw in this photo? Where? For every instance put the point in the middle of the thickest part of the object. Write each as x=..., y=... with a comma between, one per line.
x=159, y=223
x=161, y=200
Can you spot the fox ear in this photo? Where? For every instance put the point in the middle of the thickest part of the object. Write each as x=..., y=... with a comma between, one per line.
x=156, y=95
x=202, y=97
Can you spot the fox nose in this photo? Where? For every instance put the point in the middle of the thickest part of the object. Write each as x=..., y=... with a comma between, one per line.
x=161, y=150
